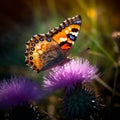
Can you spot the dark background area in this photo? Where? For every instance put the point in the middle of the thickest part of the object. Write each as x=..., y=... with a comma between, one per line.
x=21, y=19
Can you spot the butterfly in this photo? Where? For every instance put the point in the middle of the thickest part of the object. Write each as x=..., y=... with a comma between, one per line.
x=44, y=51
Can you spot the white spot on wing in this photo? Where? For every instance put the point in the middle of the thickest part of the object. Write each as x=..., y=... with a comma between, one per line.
x=52, y=30
x=35, y=35
x=62, y=39
x=73, y=42
x=74, y=33
x=73, y=17
x=65, y=21
x=27, y=46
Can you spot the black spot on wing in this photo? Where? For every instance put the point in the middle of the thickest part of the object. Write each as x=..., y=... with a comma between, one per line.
x=48, y=38
x=36, y=41
x=31, y=57
x=33, y=44
x=75, y=30
x=72, y=37
x=32, y=48
x=41, y=39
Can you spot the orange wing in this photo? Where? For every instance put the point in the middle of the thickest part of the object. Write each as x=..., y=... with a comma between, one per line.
x=67, y=32
x=46, y=51
x=41, y=50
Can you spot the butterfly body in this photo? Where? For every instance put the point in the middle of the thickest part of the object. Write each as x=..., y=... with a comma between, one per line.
x=44, y=51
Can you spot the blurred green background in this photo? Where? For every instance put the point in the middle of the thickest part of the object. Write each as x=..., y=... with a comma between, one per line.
x=100, y=19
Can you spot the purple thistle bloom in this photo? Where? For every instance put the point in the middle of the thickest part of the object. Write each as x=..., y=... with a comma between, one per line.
x=70, y=74
x=18, y=90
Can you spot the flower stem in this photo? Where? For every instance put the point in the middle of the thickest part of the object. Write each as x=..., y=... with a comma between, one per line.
x=115, y=81
x=106, y=86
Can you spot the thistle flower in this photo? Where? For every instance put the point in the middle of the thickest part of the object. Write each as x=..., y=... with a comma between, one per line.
x=67, y=76
x=17, y=91
x=79, y=103
x=26, y=111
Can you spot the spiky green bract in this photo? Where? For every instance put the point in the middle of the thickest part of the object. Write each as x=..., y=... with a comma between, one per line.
x=26, y=111
x=79, y=103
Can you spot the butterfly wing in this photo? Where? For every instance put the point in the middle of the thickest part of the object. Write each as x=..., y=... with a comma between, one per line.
x=42, y=52
x=65, y=35
x=46, y=51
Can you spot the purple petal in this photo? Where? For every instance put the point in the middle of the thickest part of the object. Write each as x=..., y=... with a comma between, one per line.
x=70, y=74
x=18, y=90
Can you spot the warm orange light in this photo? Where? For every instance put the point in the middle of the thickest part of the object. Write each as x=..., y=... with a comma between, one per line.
x=91, y=13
